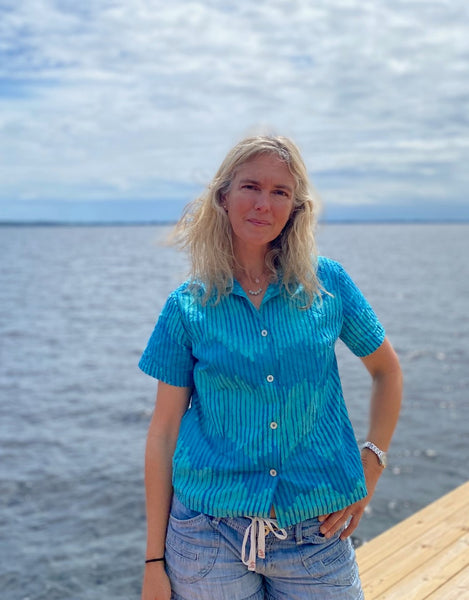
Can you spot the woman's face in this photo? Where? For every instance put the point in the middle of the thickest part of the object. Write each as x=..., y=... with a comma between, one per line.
x=260, y=200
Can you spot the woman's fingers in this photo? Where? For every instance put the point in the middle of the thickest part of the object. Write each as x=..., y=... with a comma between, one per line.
x=348, y=517
x=333, y=522
x=353, y=524
x=322, y=518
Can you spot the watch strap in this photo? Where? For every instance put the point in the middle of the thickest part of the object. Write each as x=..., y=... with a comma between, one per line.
x=382, y=456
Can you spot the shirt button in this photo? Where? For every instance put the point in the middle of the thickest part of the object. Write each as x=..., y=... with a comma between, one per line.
x=273, y=425
x=270, y=378
x=273, y=472
x=264, y=332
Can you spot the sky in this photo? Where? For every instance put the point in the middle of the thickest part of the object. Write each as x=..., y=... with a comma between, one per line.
x=122, y=110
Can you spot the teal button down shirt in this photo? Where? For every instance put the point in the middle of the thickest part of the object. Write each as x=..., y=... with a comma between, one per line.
x=267, y=423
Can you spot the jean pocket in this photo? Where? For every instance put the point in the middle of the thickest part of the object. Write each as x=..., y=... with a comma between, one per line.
x=330, y=561
x=192, y=544
x=181, y=512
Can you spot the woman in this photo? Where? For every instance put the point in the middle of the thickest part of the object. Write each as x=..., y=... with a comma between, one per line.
x=250, y=429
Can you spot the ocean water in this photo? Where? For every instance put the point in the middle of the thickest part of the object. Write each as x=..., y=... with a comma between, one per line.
x=77, y=307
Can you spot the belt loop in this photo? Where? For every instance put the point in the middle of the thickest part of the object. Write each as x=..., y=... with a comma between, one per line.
x=214, y=521
x=299, y=533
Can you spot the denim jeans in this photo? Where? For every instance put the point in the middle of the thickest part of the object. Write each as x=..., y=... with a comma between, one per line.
x=203, y=561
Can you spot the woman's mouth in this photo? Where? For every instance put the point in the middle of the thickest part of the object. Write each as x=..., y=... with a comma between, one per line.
x=258, y=222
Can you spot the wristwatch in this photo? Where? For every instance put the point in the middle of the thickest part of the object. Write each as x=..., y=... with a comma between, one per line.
x=382, y=456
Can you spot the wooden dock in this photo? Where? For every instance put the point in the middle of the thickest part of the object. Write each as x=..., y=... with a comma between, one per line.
x=424, y=557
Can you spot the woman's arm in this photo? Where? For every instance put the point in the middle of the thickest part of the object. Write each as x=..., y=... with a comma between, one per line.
x=383, y=366
x=171, y=404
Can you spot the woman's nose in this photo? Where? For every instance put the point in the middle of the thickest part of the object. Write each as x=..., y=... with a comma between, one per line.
x=262, y=201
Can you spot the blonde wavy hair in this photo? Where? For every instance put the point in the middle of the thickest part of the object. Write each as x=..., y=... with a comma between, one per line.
x=205, y=230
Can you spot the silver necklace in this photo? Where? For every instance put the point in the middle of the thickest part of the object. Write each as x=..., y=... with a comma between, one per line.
x=258, y=291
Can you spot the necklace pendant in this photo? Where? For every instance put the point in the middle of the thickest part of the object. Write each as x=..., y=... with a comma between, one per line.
x=256, y=292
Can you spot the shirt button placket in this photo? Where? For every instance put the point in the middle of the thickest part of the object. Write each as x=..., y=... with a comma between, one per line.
x=273, y=425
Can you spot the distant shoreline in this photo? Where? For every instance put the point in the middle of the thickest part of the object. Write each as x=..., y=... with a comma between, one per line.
x=168, y=223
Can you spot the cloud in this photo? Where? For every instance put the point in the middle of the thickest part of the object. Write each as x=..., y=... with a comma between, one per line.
x=141, y=99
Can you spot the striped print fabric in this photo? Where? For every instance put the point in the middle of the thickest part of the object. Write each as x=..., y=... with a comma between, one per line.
x=267, y=422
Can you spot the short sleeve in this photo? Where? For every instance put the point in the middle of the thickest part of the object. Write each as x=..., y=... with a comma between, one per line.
x=168, y=355
x=361, y=330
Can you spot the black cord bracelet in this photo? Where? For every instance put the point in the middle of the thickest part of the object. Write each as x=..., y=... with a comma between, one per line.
x=154, y=560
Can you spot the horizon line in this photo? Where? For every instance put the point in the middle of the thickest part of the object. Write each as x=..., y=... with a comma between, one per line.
x=150, y=223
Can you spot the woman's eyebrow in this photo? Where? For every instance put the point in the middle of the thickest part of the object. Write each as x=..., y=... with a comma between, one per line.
x=280, y=186
x=248, y=180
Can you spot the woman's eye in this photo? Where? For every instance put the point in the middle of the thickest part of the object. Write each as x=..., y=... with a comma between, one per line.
x=250, y=186
x=281, y=193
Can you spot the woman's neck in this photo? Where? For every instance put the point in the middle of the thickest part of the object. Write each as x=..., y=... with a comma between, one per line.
x=250, y=261
x=251, y=273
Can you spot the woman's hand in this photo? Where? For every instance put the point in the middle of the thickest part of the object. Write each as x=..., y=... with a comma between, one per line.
x=156, y=584
x=334, y=521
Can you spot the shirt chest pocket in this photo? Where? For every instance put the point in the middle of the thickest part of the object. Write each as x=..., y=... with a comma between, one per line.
x=316, y=332
x=322, y=330
x=308, y=346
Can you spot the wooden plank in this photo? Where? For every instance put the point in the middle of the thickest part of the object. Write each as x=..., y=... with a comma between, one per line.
x=456, y=588
x=422, y=582
x=383, y=546
x=412, y=556
x=422, y=557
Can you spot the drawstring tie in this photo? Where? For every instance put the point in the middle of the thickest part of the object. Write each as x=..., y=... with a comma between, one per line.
x=259, y=528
